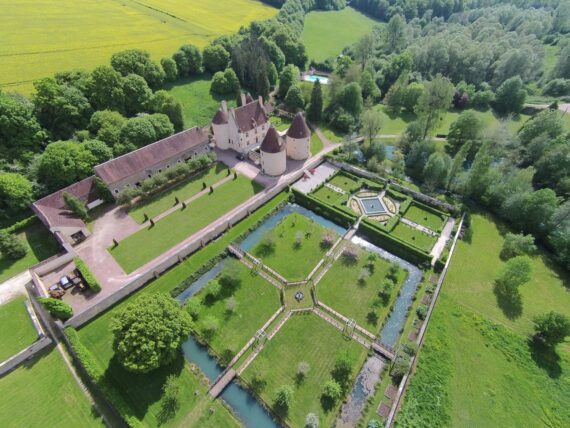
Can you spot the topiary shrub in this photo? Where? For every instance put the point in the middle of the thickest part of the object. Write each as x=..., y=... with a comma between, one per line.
x=11, y=246
x=87, y=275
x=57, y=308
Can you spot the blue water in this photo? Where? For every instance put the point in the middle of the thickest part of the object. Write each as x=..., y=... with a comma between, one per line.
x=200, y=282
x=389, y=152
x=314, y=78
x=391, y=330
x=254, y=237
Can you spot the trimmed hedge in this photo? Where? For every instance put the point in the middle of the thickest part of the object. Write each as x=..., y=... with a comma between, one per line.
x=87, y=275
x=259, y=222
x=339, y=215
x=16, y=227
x=395, y=194
x=57, y=308
x=197, y=274
x=391, y=224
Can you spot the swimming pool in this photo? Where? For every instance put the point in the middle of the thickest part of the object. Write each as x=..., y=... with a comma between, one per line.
x=314, y=78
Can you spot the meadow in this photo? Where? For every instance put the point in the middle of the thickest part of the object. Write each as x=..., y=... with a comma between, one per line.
x=520, y=385
x=43, y=393
x=16, y=328
x=326, y=33
x=42, y=37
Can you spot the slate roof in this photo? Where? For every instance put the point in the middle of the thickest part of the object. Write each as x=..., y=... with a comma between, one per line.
x=250, y=116
x=299, y=128
x=220, y=118
x=139, y=160
x=271, y=143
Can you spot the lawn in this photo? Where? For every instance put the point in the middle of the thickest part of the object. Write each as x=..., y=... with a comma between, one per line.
x=280, y=123
x=16, y=328
x=305, y=338
x=326, y=33
x=414, y=237
x=43, y=393
x=345, y=182
x=342, y=290
x=316, y=144
x=328, y=195
x=293, y=261
x=199, y=105
x=35, y=45
x=183, y=190
x=518, y=386
x=146, y=244
x=41, y=245
x=256, y=301
x=426, y=218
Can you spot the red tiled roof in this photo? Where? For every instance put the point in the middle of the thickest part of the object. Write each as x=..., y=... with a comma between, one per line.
x=271, y=143
x=220, y=118
x=53, y=211
x=139, y=160
x=299, y=128
x=250, y=116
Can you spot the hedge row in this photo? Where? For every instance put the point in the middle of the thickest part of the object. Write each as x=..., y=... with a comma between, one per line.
x=197, y=274
x=396, y=195
x=16, y=227
x=87, y=275
x=97, y=377
x=339, y=215
x=432, y=210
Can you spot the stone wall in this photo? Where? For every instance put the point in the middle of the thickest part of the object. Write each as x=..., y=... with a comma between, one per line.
x=25, y=354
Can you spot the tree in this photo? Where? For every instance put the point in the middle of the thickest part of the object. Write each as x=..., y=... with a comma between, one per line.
x=332, y=390
x=370, y=124
x=188, y=59
x=434, y=101
x=303, y=369
x=137, y=61
x=289, y=77
x=517, y=245
x=138, y=132
x=315, y=109
x=510, y=96
x=19, y=128
x=294, y=99
x=410, y=96
x=364, y=49
x=149, y=332
x=163, y=102
x=215, y=58
x=161, y=124
x=284, y=396
x=16, y=192
x=395, y=35
x=106, y=125
x=479, y=173
x=170, y=69
x=562, y=67
x=370, y=89
x=11, y=246
x=56, y=308
x=552, y=328
x=106, y=89
x=311, y=421
x=437, y=169
x=467, y=127
x=350, y=99
x=514, y=273
x=137, y=94
x=458, y=161
x=342, y=368
x=75, y=205
x=170, y=397
x=262, y=87
x=225, y=82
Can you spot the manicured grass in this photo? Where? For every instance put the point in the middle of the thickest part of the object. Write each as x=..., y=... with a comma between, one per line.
x=331, y=134
x=183, y=190
x=328, y=195
x=426, y=218
x=326, y=33
x=414, y=237
x=256, y=301
x=316, y=144
x=477, y=367
x=341, y=289
x=35, y=45
x=146, y=244
x=280, y=123
x=345, y=182
x=302, y=338
x=293, y=262
x=16, y=328
x=42, y=393
x=41, y=245
x=198, y=103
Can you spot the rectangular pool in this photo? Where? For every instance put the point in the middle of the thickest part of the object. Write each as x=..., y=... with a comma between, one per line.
x=323, y=80
x=372, y=206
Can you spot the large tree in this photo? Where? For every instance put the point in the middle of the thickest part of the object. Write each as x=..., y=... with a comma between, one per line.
x=510, y=96
x=552, y=328
x=288, y=77
x=215, y=58
x=163, y=102
x=149, y=332
x=137, y=94
x=16, y=192
x=188, y=60
x=106, y=89
x=350, y=99
x=315, y=109
x=436, y=170
x=294, y=99
x=434, y=101
x=106, y=126
x=137, y=61
x=395, y=35
x=19, y=128
x=467, y=127
x=370, y=124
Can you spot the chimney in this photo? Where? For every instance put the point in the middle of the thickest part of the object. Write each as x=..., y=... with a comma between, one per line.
x=243, y=101
x=261, y=101
x=224, y=106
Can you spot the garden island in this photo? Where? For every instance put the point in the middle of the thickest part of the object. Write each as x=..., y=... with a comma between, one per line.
x=286, y=213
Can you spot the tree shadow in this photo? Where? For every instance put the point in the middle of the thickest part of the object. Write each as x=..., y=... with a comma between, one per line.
x=510, y=302
x=281, y=410
x=545, y=357
x=327, y=403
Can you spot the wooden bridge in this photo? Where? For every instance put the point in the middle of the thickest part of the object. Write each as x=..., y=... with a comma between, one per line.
x=221, y=382
x=384, y=351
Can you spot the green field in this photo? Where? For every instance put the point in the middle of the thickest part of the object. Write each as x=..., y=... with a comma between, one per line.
x=341, y=289
x=326, y=33
x=344, y=182
x=199, y=105
x=146, y=244
x=415, y=237
x=477, y=368
x=302, y=338
x=284, y=235
x=316, y=144
x=43, y=393
x=256, y=301
x=328, y=195
x=42, y=37
x=183, y=190
x=16, y=328
x=41, y=245
x=424, y=217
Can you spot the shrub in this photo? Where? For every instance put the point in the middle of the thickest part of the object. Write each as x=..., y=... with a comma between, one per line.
x=374, y=423
x=298, y=240
x=393, y=272
x=213, y=290
x=349, y=256
x=87, y=275
x=552, y=328
x=517, y=245
x=421, y=312
x=170, y=398
x=303, y=369
x=332, y=390
x=75, y=205
x=210, y=325
x=400, y=368
x=327, y=241
x=284, y=396
x=311, y=421
x=57, y=308
x=11, y=246
x=193, y=308
x=410, y=348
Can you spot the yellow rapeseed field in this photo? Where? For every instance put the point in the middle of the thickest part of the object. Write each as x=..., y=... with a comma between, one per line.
x=42, y=37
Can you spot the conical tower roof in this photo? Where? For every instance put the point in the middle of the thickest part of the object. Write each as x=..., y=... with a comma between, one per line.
x=271, y=143
x=220, y=118
x=299, y=128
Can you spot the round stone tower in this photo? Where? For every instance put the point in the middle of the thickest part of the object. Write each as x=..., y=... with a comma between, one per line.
x=298, y=138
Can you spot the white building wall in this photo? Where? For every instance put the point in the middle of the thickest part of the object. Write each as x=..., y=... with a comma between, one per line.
x=222, y=136
x=298, y=149
x=274, y=163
